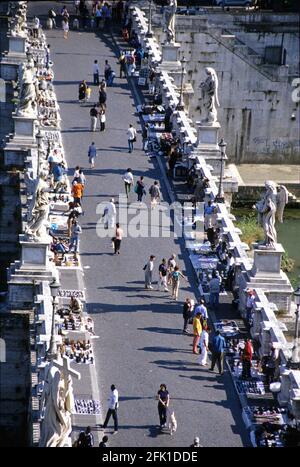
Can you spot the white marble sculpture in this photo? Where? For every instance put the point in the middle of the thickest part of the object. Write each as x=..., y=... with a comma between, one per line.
x=58, y=405
x=270, y=207
x=209, y=95
x=18, y=23
x=36, y=228
x=169, y=15
x=28, y=96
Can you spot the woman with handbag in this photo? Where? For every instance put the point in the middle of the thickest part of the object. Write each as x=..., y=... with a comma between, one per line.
x=140, y=189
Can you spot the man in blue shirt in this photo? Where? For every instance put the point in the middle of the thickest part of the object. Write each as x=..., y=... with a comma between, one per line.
x=218, y=348
x=201, y=308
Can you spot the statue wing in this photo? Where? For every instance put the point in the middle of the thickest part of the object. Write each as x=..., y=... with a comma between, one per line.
x=282, y=200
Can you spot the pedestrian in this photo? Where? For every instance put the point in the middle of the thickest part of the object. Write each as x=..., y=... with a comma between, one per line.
x=140, y=189
x=82, y=91
x=203, y=345
x=111, y=78
x=171, y=267
x=88, y=93
x=94, y=118
x=65, y=27
x=246, y=358
x=111, y=214
x=214, y=291
x=128, y=180
x=52, y=16
x=131, y=137
x=155, y=194
x=145, y=136
x=98, y=15
x=48, y=52
x=92, y=154
x=102, y=96
x=76, y=231
x=96, y=73
x=162, y=271
x=113, y=408
x=77, y=191
x=197, y=330
x=176, y=274
x=118, y=239
x=163, y=398
x=103, y=443
x=148, y=268
x=122, y=63
x=187, y=314
x=35, y=27
x=250, y=305
x=217, y=351
x=88, y=438
x=102, y=119
x=64, y=12
x=196, y=443
x=201, y=308
x=107, y=70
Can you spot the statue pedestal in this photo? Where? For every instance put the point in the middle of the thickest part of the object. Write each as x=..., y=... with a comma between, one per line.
x=208, y=135
x=17, y=45
x=34, y=254
x=170, y=54
x=267, y=275
x=24, y=127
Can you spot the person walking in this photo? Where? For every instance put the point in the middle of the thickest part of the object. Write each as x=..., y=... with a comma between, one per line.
x=155, y=194
x=107, y=70
x=52, y=16
x=82, y=91
x=122, y=63
x=197, y=330
x=102, y=119
x=128, y=180
x=111, y=214
x=187, y=314
x=65, y=27
x=140, y=189
x=104, y=442
x=76, y=231
x=94, y=118
x=163, y=398
x=88, y=438
x=148, y=268
x=163, y=271
x=214, y=291
x=77, y=191
x=102, y=96
x=112, y=409
x=118, y=239
x=203, y=344
x=96, y=73
x=176, y=274
x=145, y=136
x=92, y=154
x=131, y=137
x=171, y=267
x=218, y=347
x=201, y=308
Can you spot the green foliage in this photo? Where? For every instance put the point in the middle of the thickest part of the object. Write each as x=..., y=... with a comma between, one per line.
x=287, y=263
x=251, y=231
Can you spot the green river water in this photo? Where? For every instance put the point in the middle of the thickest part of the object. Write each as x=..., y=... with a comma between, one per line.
x=288, y=235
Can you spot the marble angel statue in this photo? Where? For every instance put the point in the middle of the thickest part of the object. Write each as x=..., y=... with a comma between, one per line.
x=28, y=96
x=169, y=20
x=57, y=406
x=270, y=208
x=38, y=216
x=209, y=96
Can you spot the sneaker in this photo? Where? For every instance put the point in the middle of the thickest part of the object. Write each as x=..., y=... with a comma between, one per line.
x=150, y=287
x=166, y=290
x=115, y=432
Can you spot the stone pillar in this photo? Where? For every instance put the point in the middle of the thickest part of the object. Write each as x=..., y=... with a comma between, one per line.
x=267, y=261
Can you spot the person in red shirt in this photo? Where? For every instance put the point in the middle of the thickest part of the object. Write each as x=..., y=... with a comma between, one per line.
x=246, y=357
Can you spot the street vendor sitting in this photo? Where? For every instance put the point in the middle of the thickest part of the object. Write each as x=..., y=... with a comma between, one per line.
x=76, y=305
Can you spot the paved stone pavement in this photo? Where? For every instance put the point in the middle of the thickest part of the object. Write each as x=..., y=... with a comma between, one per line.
x=140, y=342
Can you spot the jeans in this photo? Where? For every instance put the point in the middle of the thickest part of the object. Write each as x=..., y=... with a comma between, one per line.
x=246, y=373
x=74, y=243
x=96, y=79
x=140, y=196
x=130, y=145
x=114, y=413
x=162, y=412
x=214, y=300
x=217, y=358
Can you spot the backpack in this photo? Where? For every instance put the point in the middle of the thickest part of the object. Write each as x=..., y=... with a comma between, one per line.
x=175, y=276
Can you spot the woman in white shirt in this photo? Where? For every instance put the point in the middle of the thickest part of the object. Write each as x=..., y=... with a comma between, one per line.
x=148, y=268
x=131, y=136
x=66, y=27
x=128, y=180
x=203, y=344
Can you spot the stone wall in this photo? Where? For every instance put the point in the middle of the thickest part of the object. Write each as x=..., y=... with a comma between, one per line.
x=256, y=101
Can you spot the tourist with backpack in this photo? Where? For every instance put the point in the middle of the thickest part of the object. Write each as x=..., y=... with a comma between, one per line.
x=176, y=274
